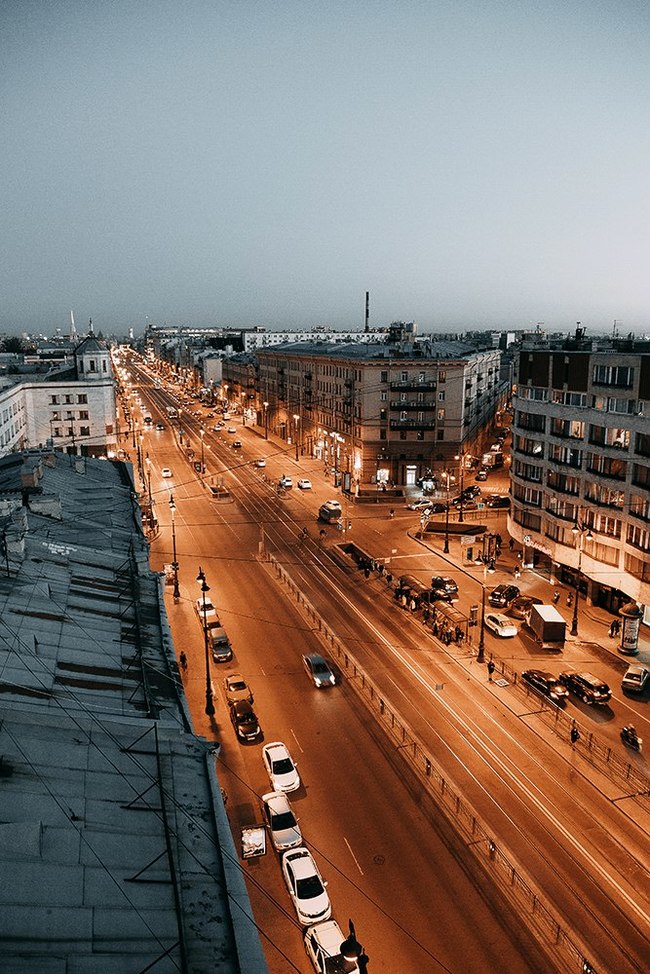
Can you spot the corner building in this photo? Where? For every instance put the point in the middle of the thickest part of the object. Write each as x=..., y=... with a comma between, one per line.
x=581, y=467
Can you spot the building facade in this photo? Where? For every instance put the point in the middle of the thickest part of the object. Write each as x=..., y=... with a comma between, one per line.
x=384, y=412
x=580, y=475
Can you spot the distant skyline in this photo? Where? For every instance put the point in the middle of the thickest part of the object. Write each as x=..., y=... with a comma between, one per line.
x=472, y=163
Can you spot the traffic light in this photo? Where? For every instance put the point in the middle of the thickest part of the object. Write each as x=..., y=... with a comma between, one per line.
x=575, y=734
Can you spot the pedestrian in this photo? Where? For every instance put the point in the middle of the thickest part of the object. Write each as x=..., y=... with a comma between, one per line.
x=517, y=571
x=402, y=600
x=391, y=513
x=612, y=629
x=425, y=615
x=434, y=628
x=413, y=605
x=366, y=571
x=380, y=568
x=389, y=579
x=490, y=669
x=617, y=626
x=498, y=539
x=511, y=543
x=183, y=660
x=569, y=599
x=556, y=596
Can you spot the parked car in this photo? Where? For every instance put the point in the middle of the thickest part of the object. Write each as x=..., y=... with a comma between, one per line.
x=500, y=625
x=232, y=429
x=280, y=767
x=236, y=444
x=281, y=822
x=521, y=606
x=160, y=427
x=636, y=679
x=304, y=484
x=198, y=606
x=166, y=472
x=587, y=687
x=306, y=886
x=244, y=720
x=236, y=688
x=473, y=490
x=323, y=945
x=445, y=588
x=546, y=684
x=481, y=474
x=503, y=595
x=319, y=670
x=285, y=482
x=261, y=462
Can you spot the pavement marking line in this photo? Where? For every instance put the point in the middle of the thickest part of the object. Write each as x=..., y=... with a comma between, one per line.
x=356, y=861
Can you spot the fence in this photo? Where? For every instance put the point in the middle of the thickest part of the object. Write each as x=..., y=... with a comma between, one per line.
x=509, y=876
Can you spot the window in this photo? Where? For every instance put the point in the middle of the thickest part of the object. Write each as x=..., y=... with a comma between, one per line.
x=640, y=507
x=92, y=366
x=85, y=431
x=382, y=414
x=535, y=393
x=566, y=455
x=441, y=435
x=420, y=435
x=639, y=567
x=441, y=396
x=604, y=496
x=56, y=431
x=403, y=416
x=610, y=405
x=104, y=365
x=402, y=397
x=83, y=398
x=570, y=398
x=605, y=553
x=405, y=376
x=442, y=376
x=383, y=376
x=621, y=376
x=68, y=399
x=54, y=400
x=402, y=434
x=610, y=526
x=528, y=471
x=383, y=396
x=441, y=414
x=570, y=428
x=528, y=446
x=421, y=377
x=606, y=466
x=83, y=414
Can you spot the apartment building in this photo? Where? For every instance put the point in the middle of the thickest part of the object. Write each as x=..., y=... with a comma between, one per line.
x=581, y=466
x=73, y=407
x=391, y=412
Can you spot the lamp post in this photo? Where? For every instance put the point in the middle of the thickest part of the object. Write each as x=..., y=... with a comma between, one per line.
x=461, y=457
x=488, y=566
x=266, y=420
x=209, y=705
x=352, y=951
x=578, y=529
x=148, y=470
x=172, y=508
x=296, y=420
x=202, y=451
x=448, y=478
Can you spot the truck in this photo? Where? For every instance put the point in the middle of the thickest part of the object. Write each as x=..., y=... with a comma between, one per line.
x=547, y=626
x=492, y=459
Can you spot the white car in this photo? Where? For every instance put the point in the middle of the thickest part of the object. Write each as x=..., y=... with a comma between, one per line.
x=333, y=505
x=280, y=767
x=306, y=886
x=285, y=482
x=281, y=822
x=261, y=462
x=166, y=472
x=500, y=625
x=209, y=607
x=419, y=505
x=232, y=429
x=323, y=945
x=304, y=484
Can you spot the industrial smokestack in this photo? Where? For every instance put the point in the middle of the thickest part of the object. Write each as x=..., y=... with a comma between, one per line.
x=367, y=329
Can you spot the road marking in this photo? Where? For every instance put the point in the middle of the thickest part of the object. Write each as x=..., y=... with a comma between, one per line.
x=356, y=861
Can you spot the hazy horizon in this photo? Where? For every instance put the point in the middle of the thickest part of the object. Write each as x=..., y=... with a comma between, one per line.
x=474, y=164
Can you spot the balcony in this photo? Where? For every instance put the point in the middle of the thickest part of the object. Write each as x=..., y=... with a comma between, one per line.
x=411, y=424
x=412, y=404
x=411, y=384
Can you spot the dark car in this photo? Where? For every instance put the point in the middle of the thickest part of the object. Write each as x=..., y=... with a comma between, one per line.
x=498, y=500
x=503, y=595
x=587, y=687
x=236, y=444
x=319, y=670
x=244, y=720
x=481, y=474
x=546, y=684
x=521, y=606
x=470, y=492
x=445, y=588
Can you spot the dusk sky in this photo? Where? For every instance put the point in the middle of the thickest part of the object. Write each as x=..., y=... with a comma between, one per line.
x=471, y=163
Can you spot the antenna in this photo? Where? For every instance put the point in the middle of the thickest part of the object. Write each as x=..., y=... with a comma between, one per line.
x=615, y=328
x=367, y=329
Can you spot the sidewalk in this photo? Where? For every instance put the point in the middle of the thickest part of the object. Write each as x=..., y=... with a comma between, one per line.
x=593, y=622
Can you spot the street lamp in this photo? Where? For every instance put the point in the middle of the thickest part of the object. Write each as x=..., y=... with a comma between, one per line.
x=266, y=420
x=352, y=951
x=461, y=457
x=296, y=420
x=209, y=705
x=578, y=529
x=488, y=566
x=202, y=451
x=448, y=478
x=172, y=508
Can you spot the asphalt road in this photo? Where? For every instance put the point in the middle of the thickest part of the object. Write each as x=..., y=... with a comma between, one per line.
x=386, y=864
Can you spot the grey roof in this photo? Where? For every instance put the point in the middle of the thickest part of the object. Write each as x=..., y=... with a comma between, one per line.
x=422, y=349
x=113, y=829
